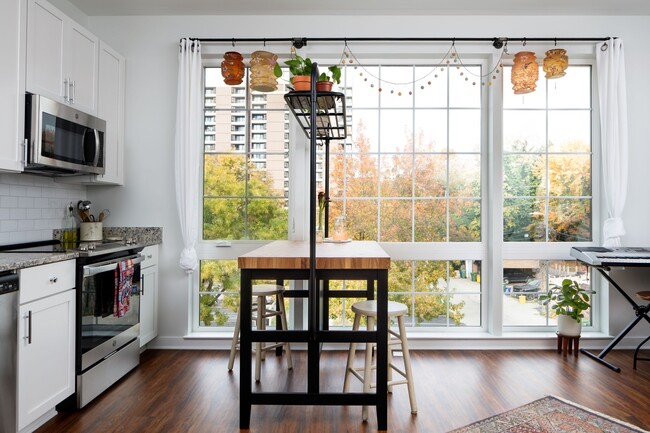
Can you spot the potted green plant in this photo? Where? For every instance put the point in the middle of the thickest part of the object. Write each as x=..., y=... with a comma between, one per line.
x=300, y=69
x=326, y=81
x=569, y=301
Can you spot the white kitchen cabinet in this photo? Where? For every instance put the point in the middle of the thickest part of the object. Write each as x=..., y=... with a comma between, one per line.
x=149, y=295
x=12, y=84
x=110, y=107
x=46, y=340
x=62, y=57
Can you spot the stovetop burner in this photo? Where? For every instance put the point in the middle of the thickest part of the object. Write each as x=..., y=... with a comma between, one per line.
x=83, y=248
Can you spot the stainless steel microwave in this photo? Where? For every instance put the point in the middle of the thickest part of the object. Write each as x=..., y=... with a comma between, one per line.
x=61, y=140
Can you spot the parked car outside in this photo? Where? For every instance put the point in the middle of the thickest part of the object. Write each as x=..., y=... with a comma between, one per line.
x=531, y=289
x=515, y=276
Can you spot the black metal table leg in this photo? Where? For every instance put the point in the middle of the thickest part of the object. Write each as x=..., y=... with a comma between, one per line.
x=382, y=349
x=245, y=384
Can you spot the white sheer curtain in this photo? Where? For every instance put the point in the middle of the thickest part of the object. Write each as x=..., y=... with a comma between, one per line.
x=613, y=135
x=188, y=142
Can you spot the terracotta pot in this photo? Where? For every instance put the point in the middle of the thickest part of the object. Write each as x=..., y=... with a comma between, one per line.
x=324, y=86
x=301, y=83
x=567, y=326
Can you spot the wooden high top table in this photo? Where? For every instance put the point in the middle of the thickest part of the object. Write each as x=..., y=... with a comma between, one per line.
x=289, y=260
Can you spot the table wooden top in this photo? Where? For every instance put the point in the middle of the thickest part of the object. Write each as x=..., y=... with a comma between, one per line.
x=295, y=255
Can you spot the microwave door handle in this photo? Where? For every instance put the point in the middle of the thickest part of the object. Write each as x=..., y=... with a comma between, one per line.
x=97, y=147
x=90, y=270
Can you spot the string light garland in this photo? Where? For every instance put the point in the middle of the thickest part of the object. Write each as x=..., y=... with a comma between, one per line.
x=450, y=58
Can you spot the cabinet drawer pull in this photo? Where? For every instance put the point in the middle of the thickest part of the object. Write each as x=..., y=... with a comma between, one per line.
x=54, y=280
x=28, y=337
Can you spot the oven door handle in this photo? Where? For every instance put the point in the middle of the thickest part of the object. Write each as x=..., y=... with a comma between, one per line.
x=90, y=270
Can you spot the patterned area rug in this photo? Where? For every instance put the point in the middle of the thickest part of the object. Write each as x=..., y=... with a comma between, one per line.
x=550, y=415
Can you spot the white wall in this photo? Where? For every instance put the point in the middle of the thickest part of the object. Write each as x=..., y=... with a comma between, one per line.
x=150, y=45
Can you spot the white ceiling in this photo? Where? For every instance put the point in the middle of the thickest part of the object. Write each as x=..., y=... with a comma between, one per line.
x=363, y=7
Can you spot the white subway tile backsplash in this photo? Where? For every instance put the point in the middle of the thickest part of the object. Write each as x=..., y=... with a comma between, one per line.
x=25, y=225
x=34, y=191
x=18, y=214
x=9, y=226
x=32, y=206
x=25, y=202
x=17, y=190
x=8, y=201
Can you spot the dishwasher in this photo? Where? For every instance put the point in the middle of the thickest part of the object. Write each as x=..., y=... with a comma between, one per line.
x=8, y=353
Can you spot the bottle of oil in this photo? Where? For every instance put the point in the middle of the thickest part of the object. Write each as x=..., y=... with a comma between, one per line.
x=70, y=231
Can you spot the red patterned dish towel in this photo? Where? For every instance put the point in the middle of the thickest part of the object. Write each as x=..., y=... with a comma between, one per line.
x=123, y=283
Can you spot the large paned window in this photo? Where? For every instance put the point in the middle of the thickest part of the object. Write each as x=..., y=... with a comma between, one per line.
x=410, y=172
x=243, y=172
x=547, y=189
x=416, y=174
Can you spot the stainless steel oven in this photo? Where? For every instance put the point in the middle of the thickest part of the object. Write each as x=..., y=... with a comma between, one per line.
x=108, y=321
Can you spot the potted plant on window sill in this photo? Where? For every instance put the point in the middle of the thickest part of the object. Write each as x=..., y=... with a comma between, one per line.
x=569, y=301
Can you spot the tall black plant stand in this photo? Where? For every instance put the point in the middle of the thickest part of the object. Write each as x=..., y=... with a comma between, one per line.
x=322, y=116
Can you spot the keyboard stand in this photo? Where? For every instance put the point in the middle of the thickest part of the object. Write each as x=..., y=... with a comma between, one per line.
x=641, y=312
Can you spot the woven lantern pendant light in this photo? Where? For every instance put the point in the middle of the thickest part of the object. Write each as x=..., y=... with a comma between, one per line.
x=262, y=77
x=525, y=73
x=555, y=63
x=232, y=68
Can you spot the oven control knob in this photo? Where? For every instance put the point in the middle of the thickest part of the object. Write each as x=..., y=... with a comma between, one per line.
x=91, y=247
x=83, y=247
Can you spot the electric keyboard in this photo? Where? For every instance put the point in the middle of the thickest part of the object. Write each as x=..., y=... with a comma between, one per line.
x=620, y=256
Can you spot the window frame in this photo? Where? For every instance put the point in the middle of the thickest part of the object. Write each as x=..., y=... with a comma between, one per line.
x=491, y=250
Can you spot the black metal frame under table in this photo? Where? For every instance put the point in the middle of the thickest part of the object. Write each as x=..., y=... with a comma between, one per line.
x=640, y=311
x=316, y=334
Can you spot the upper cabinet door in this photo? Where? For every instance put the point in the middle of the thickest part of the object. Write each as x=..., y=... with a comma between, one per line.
x=12, y=84
x=110, y=107
x=81, y=57
x=62, y=57
x=45, y=42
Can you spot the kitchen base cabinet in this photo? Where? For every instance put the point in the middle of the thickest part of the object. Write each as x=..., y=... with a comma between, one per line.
x=46, y=344
x=149, y=295
x=46, y=340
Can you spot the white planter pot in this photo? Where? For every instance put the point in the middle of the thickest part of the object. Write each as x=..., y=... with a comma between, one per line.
x=567, y=326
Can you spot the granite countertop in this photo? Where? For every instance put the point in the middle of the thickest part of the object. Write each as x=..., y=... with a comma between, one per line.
x=144, y=235
x=11, y=261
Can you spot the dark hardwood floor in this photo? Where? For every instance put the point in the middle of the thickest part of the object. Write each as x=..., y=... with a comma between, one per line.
x=191, y=391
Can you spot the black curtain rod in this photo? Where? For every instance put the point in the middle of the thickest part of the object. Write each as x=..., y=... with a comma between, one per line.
x=497, y=42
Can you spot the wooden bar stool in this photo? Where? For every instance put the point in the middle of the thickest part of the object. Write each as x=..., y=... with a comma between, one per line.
x=261, y=312
x=646, y=297
x=364, y=374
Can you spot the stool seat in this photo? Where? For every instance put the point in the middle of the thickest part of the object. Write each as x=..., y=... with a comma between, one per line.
x=395, y=338
x=260, y=292
x=369, y=308
x=267, y=289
